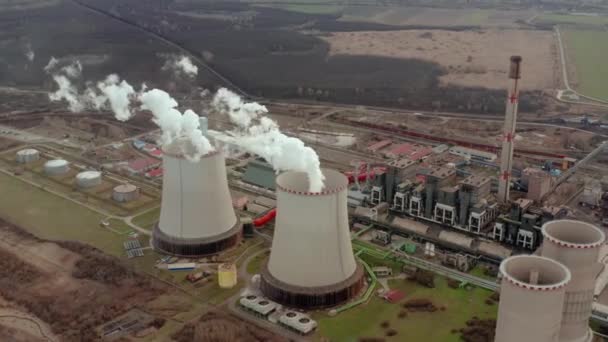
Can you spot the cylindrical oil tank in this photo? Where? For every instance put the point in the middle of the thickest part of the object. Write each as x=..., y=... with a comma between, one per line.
x=125, y=193
x=88, y=179
x=56, y=167
x=226, y=275
x=27, y=155
x=311, y=263
x=576, y=245
x=532, y=295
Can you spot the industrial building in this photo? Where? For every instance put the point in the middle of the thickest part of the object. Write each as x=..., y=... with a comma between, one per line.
x=27, y=155
x=311, y=262
x=472, y=154
x=196, y=217
x=56, y=167
x=260, y=173
x=88, y=179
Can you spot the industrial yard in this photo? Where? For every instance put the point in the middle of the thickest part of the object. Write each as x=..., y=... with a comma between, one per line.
x=337, y=172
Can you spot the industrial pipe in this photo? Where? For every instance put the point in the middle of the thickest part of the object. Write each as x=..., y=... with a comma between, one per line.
x=262, y=220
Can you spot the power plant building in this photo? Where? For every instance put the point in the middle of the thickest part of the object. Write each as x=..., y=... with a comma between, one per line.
x=88, y=179
x=532, y=294
x=56, y=167
x=311, y=262
x=576, y=245
x=27, y=155
x=197, y=217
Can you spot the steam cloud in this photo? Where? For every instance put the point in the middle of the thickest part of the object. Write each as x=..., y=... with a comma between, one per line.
x=177, y=129
x=183, y=64
x=119, y=94
x=63, y=78
x=261, y=135
x=29, y=53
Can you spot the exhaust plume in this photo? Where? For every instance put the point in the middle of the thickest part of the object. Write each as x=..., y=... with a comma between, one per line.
x=181, y=65
x=181, y=131
x=67, y=90
x=261, y=135
x=118, y=93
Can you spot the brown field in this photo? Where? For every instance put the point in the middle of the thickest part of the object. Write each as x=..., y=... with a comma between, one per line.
x=470, y=58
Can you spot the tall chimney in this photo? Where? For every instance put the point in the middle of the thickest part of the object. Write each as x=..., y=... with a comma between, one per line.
x=506, y=154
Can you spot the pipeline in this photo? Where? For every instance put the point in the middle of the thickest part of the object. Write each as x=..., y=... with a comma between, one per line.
x=267, y=217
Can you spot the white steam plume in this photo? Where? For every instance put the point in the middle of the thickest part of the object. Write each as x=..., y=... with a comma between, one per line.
x=66, y=90
x=29, y=53
x=261, y=135
x=118, y=93
x=180, y=65
x=177, y=129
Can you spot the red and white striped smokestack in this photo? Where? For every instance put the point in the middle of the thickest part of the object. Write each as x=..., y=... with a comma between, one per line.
x=506, y=154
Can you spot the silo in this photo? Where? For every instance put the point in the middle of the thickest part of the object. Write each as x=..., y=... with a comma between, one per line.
x=27, y=155
x=576, y=245
x=311, y=263
x=532, y=295
x=56, y=167
x=196, y=217
x=125, y=193
x=88, y=179
x=226, y=275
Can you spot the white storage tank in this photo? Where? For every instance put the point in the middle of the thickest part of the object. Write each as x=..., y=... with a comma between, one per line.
x=56, y=167
x=27, y=155
x=125, y=193
x=88, y=179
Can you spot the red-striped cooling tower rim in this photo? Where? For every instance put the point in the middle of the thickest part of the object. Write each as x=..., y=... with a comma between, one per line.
x=552, y=287
x=325, y=191
x=335, y=182
x=181, y=155
x=575, y=225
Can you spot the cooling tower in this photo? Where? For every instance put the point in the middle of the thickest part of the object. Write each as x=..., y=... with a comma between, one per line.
x=576, y=245
x=196, y=217
x=311, y=263
x=532, y=296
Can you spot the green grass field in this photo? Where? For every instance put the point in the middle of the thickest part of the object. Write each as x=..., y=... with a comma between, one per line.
x=571, y=19
x=52, y=217
x=364, y=321
x=315, y=6
x=255, y=265
x=587, y=51
x=147, y=219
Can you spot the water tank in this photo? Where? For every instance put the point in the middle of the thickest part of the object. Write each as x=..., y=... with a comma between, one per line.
x=56, y=167
x=88, y=179
x=532, y=294
x=226, y=275
x=125, y=193
x=27, y=155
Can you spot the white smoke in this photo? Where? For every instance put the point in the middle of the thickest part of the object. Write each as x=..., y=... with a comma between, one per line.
x=53, y=62
x=240, y=113
x=119, y=94
x=261, y=135
x=181, y=65
x=177, y=130
x=67, y=91
x=29, y=53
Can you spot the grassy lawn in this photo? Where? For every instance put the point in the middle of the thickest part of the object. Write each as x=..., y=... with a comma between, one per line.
x=255, y=265
x=52, y=217
x=571, y=19
x=119, y=226
x=147, y=219
x=312, y=7
x=364, y=321
x=479, y=271
x=588, y=49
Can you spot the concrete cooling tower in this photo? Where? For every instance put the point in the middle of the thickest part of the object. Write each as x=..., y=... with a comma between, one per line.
x=532, y=296
x=196, y=217
x=311, y=263
x=576, y=245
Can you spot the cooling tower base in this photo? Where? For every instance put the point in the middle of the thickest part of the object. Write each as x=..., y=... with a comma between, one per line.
x=193, y=248
x=312, y=297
